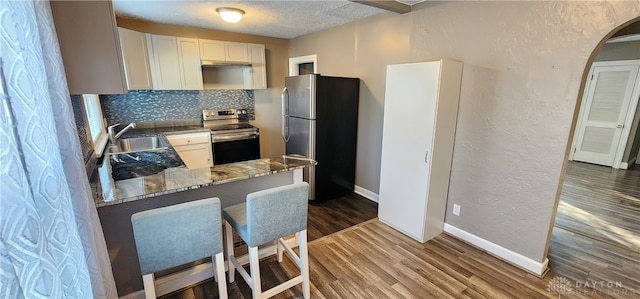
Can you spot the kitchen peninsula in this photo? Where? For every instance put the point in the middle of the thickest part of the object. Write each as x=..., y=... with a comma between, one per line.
x=117, y=200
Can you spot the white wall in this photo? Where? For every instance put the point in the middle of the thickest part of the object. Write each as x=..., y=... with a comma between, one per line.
x=523, y=66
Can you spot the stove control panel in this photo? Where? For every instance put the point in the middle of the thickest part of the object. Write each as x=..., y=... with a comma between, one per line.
x=211, y=114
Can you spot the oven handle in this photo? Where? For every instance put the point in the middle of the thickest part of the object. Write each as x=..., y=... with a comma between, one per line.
x=234, y=137
x=285, y=115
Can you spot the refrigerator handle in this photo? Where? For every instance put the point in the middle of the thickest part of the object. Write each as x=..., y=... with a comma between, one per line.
x=285, y=115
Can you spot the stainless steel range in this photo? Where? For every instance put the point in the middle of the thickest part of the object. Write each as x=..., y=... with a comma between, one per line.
x=233, y=138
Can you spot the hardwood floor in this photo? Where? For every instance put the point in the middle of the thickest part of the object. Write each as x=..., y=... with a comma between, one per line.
x=331, y=216
x=601, y=203
x=371, y=260
x=596, y=237
x=324, y=218
x=589, y=254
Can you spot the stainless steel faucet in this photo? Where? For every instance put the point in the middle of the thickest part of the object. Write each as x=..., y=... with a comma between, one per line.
x=115, y=137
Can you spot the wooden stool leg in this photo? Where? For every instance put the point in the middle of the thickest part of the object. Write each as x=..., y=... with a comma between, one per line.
x=254, y=265
x=230, y=253
x=279, y=249
x=149, y=286
x=219, y=270
x=304, y=263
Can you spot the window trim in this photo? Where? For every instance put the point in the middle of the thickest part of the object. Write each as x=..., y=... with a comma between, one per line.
x=100, y=141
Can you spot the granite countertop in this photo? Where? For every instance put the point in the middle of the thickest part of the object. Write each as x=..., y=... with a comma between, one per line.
x=162, y=171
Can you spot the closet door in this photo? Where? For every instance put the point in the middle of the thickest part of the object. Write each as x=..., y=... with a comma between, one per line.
x=603, y=121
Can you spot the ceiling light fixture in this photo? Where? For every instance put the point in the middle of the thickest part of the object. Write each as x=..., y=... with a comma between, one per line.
x=229, y=14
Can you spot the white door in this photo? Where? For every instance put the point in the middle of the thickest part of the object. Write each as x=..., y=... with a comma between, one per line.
x=409, y=112
x=603, y=114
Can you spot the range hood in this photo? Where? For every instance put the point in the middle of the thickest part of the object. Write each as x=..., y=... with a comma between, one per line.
x=217, y=63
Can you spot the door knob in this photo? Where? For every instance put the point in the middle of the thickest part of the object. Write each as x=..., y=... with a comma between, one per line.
x=619, y=126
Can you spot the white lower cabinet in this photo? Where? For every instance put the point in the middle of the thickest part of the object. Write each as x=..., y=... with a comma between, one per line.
x=420, y=113
x=193, y=148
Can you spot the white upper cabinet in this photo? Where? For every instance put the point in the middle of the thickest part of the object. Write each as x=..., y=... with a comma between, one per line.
x=223, y=51
x=236, y=52
x=136, y=59
x=163, y=53
x=189, y=61
x=256, y=75
x=175, y=62
x=212, y=50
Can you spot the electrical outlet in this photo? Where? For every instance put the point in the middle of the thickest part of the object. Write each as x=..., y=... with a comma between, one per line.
x=456, y=209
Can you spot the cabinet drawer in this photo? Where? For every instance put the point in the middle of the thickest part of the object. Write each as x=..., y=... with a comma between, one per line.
x=190, y=138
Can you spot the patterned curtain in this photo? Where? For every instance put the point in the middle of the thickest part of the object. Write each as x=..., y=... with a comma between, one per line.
x=51, y=242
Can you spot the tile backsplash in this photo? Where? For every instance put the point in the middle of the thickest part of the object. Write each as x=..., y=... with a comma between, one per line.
x=163, y=105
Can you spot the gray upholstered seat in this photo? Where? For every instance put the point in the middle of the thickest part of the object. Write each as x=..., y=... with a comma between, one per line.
x=266, y=216
x=175, y=235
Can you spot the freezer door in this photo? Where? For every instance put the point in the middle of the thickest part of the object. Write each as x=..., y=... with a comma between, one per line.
x=302, y=141
x=301, y=137
x=301, y=96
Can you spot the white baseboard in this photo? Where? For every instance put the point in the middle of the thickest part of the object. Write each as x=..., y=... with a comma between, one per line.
x=366, y=193
x=537, y=268
x=624, y=165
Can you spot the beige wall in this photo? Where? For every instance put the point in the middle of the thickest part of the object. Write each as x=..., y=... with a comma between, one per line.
x=524, y=64
x=267, y=102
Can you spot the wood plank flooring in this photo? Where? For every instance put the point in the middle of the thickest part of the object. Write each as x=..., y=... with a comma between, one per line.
x=589, y=255
x=601, y=203
x=371, y=260
x=331, y=216
x=596, y=237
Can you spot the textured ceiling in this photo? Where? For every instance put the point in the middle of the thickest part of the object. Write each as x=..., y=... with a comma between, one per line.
x=283, y=19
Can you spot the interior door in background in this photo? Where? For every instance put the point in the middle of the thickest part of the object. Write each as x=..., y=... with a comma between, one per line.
x=606, y=113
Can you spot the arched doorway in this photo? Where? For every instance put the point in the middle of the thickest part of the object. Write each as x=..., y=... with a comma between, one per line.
x=595, y=240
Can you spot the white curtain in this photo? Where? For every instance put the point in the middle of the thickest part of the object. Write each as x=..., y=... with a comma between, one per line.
x=51, y=242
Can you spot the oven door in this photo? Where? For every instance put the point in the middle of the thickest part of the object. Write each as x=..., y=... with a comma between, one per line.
x=230, y=148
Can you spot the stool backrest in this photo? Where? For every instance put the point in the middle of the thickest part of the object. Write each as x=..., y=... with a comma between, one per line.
x=175, y=235
x=276, y=212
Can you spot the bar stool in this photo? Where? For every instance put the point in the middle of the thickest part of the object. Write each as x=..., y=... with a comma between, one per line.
x=266, y=216
x=171, y=236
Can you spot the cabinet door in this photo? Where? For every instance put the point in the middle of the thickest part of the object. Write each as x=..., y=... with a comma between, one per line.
x=411, y=93
x=89, y=46
x=166, y=68
x=190, y=67
x=256, y=75
x=195, y=156
x=212, y=50
x=236, y=52
x=193, y=148
x=136, y=59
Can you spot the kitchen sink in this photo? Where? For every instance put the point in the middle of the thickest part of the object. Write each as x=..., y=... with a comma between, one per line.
x=141, y=164
x=138, y=144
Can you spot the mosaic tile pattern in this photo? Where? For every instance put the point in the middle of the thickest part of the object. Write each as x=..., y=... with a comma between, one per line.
x=81, y=126
x=164, y=105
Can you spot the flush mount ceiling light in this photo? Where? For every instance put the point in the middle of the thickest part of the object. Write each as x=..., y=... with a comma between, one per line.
x=229, y=14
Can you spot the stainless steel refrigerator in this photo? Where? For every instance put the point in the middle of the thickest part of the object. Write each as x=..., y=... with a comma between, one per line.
x=320, y=121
